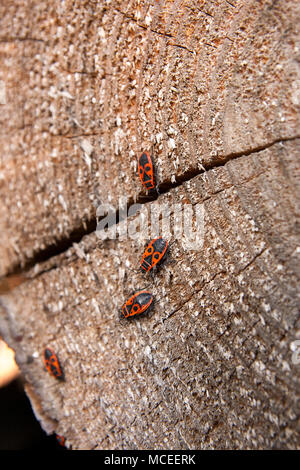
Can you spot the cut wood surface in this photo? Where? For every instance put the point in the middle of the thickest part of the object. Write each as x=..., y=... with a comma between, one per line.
x=213, y=89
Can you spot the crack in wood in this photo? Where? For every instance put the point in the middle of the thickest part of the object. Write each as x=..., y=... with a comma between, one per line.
x=195, y=292
x=199, y=9
x=231, y=4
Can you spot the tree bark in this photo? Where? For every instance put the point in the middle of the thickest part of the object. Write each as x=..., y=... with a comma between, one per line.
x=213, y=89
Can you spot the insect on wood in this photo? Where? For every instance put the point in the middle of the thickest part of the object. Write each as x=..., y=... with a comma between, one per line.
x=137, y=304
x=146, y=171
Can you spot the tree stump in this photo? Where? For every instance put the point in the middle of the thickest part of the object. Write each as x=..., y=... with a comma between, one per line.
x=213, y=90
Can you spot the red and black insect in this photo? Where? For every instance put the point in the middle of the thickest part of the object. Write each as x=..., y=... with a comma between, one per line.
x=154, y=254
x=52, y=364
x=137, y=304
x=146, y=171
x=61, y=440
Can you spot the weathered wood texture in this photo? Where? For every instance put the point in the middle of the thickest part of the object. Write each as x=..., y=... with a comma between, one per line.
x=215, y=86
x=89, y=84
x=211, y=367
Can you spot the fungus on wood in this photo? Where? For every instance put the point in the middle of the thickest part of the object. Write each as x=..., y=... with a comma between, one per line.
x=212, y=89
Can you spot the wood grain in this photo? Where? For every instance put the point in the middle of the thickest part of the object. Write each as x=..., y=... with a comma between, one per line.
x=212, y=88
